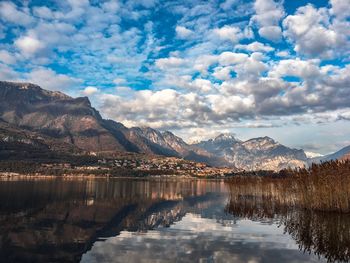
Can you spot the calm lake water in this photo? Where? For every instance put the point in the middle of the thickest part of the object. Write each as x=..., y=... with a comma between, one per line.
x=126, y=220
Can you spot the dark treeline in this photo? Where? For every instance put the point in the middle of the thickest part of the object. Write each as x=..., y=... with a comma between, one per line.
x=324, y=186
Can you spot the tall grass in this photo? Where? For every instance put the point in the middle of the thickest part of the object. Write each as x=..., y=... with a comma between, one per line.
x=324, y=187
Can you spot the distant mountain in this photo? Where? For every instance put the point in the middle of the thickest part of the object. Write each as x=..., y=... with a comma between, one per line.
x=342, y=154
x=73, y=121
x=219, y=145
x=173, y=145
x=258, y=153
x=313, y=154
x=52, y=119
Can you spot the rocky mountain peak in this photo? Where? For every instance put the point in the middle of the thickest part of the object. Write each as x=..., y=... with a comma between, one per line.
x=225, y=137
x=257, y=153
x=174, y=141
x=29, y=92
x=261, y=143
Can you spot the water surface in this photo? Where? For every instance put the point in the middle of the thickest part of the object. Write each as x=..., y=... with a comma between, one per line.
x=126, y=220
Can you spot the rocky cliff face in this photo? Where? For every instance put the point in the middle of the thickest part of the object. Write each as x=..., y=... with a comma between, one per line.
x=56, y=115
x=258, y=153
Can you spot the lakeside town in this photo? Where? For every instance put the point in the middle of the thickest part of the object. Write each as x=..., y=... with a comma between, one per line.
x=124, y=166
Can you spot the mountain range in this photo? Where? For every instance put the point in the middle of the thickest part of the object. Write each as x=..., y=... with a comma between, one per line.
x=50, y=120
x=254, y=154
x=342, y=154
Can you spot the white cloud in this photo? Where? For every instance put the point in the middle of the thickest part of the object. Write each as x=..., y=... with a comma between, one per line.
x=228, y=4
x=88, y=91
x=202, y=85
x=255, y=47
x=9, y=12
x=29, y=45
x=119, y=81
x=111, y=6
x=295, y=67
x=49, y=79
x=7, y=73
x=273, y=33
x=223, y=73
x=6, y=57
x=183, y=32
x=168, y=63
x=228, y=58
x=268, y=15
x=252, y=67
x=232, y=107
x=283, y=54
x=233, y=34
x=307, y=27
x=202, y=63
x=340, y=8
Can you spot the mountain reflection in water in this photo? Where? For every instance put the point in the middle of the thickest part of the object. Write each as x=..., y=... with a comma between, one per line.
x=125, y=220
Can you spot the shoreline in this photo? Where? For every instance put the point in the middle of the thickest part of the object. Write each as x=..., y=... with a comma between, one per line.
x=91, y=176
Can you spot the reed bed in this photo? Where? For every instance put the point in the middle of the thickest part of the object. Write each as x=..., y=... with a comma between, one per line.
x=323, y=187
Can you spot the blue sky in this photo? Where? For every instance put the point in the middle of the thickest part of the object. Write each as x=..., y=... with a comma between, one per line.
x=197, y=68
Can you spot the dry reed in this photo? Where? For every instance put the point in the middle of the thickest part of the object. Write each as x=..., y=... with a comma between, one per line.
x=324, y=187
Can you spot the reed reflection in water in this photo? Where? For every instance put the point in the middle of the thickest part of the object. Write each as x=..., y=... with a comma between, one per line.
x=325, y=234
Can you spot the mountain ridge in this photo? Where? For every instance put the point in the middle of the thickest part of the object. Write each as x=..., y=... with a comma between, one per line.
x=256, y=153
x=342, y=154
x=74, y=122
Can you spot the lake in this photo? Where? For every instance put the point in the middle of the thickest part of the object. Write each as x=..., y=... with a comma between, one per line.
x=158, y=220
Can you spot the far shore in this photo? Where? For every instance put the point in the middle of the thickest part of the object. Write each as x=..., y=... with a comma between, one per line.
x=92, y=176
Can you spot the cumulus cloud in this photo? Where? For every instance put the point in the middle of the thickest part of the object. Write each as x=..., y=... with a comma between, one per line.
x=7, y=73
x=308, y=26
x=340, y=8
x=49, y=79
x=255, y=47
x=272, y=33
x=232, y=107
x=233, y=34
x=268, y=14
x=283, y=54
x=119, y=81
x=88, y=91
x=183, y=32
x=29, y=45
x=9, y=12
x=168, y=63
x=305, y=69
x=228, y=58
x=223, y=73
x=6, y=57
x=202, y=85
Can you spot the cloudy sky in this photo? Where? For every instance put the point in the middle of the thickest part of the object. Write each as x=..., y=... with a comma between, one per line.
x=197, y=68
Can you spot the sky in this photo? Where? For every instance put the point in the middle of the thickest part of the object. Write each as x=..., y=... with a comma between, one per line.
x=196, y=68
